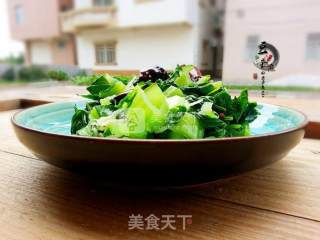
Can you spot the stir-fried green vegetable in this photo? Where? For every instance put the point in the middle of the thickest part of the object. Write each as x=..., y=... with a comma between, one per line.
x=181, y=104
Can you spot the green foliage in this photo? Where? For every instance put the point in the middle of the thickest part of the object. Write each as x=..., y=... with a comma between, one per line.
x=84, y=80
x=87, y=80
x=14, y=60
x=32, y=73
x=79, y=120
x=104, y=86
x=58, y=75
x=9, y=75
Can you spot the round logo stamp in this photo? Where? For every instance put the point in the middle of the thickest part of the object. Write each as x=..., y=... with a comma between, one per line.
x=267, y=57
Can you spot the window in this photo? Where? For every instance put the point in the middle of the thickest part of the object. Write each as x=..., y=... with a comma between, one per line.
x=251, y=47
x=65, y=8
x=212, y=2
x=313, y=46
x=18, y=11
x=102, y=3
x=105, y=53
x=61, y=44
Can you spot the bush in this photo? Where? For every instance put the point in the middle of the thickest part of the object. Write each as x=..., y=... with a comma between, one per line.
x=58, y=75
x=84, y=80
x=9, y=75
x=32, y=73
x=14, y=59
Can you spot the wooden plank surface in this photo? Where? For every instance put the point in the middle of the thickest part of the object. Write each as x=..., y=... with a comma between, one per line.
x=52, y=92
x=9, y=142
x=39, y=201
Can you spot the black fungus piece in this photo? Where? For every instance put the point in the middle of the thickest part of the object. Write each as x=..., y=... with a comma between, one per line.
x=153, y=74
x=119, y=97
x=195, y=74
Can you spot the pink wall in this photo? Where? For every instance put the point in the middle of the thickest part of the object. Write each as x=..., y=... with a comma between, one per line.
x=65, y=55
x=40, y=18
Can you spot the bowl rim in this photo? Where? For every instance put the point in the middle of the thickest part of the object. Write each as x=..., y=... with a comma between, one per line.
x=302, y=125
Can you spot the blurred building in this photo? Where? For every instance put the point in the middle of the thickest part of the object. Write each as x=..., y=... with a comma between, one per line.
x=37, y=24
x=291, y=25
x=121, y=36
x=125, y=36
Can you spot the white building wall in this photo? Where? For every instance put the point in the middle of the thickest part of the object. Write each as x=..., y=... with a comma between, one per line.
x=78, y=4
x=284, y=23
x=139, y=49
x=132, y=13
x=203, y=31
x=40, y=52
x=148, y=33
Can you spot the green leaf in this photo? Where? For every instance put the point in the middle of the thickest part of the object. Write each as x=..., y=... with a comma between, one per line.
x=237, y=130
x=105, y=86
x=175, y=115
x=200, y=90
x=182, y=78
x=79, y=120
x=124, y=79
x=173, y=91
x=251, y=112
x=222, y=100
x=211, y=122
x=99, y=85
x=240, y=105
x=188, y=127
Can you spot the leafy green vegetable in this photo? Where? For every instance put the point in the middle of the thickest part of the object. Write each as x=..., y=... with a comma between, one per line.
x=188, y=127
x=173, y=91
x=79, y=120
x=175, y=115
x=105, y=86
x=180, y=104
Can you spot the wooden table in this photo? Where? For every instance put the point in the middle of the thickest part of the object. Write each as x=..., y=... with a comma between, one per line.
x=40, y=201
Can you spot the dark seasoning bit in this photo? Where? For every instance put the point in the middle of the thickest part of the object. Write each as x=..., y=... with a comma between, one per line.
x=195, y=74
x=153, y=74
x=221, y=116
x=119, y=97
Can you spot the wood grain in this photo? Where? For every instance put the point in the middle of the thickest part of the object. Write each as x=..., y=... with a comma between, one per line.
x=290, y=186
x=9, y=104
x=8, y=139
x=313, y=130
x=38, y=201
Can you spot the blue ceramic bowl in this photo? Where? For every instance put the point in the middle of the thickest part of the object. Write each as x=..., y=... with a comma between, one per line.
x=45, y=130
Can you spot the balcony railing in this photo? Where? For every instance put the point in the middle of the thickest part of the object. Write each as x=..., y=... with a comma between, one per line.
x=77, y=19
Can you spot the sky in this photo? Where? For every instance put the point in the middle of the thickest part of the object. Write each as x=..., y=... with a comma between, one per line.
x=7, y=45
